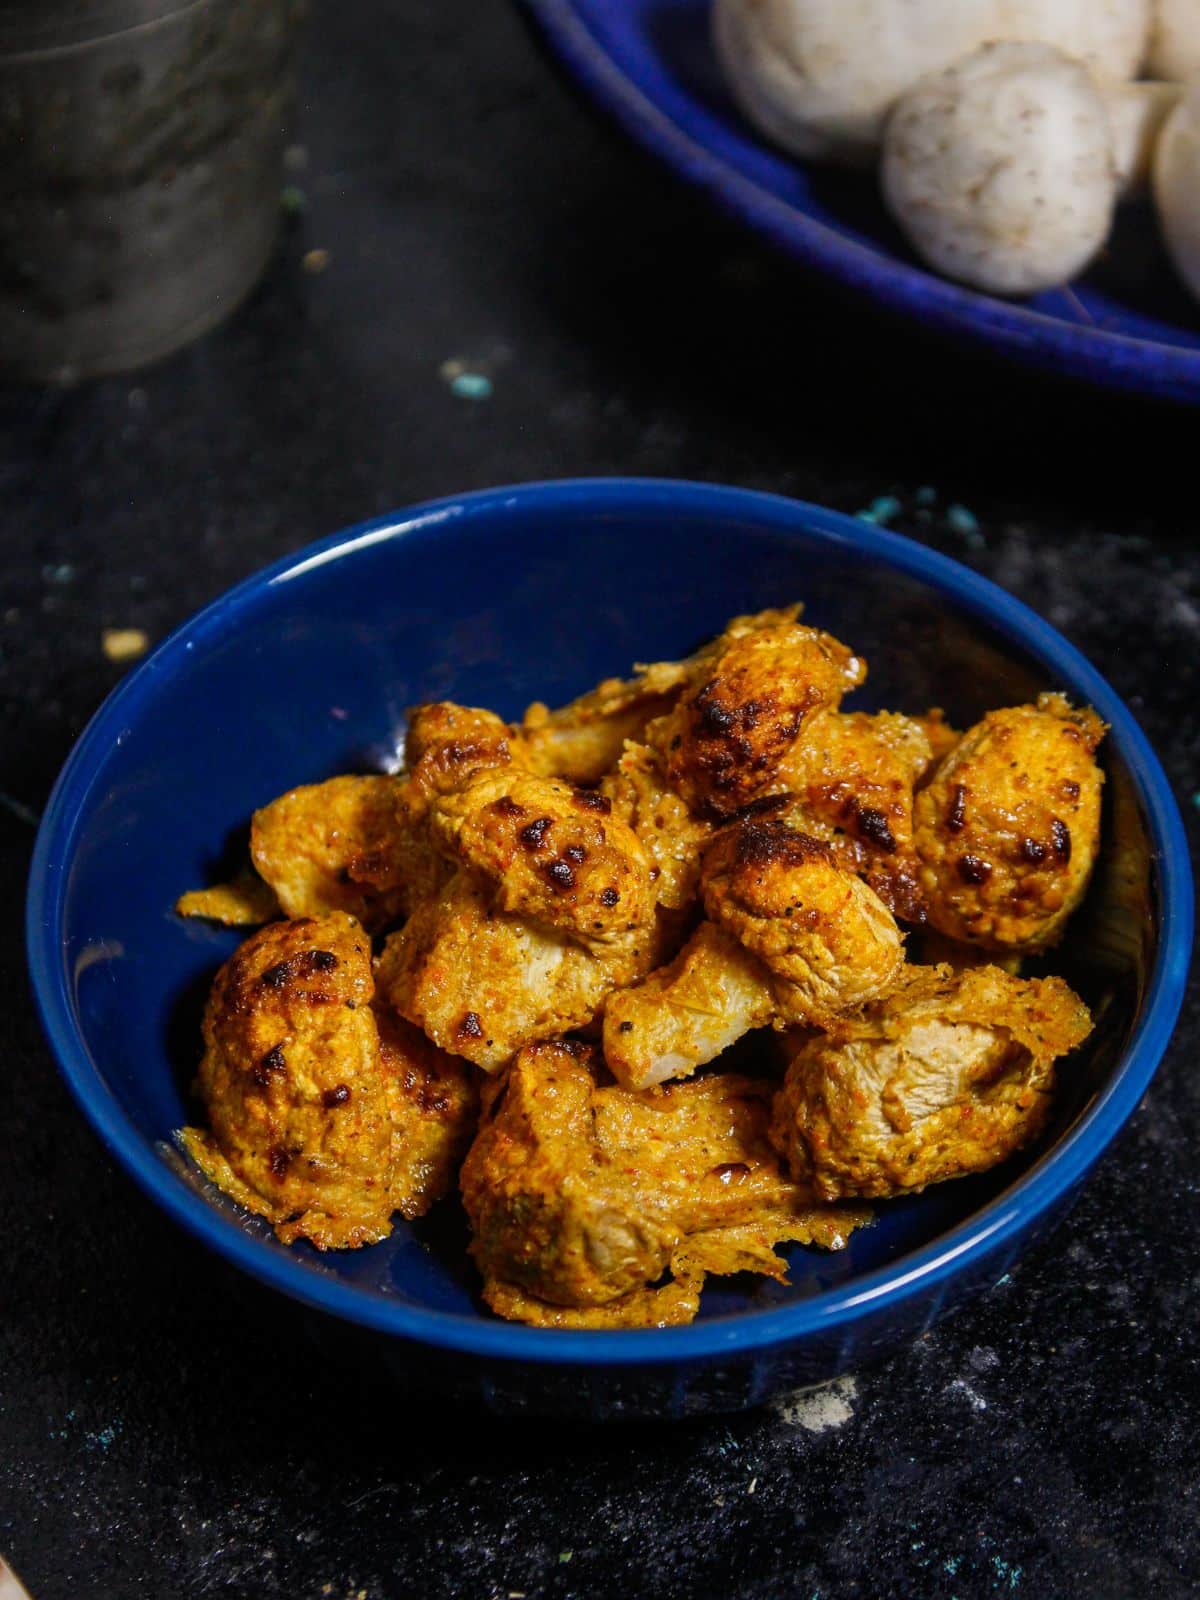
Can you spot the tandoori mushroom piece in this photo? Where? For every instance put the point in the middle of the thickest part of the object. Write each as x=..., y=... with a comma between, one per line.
x=582, y=1195
x=550, y=908
x=357, y=843
x=305, y=1110
x=726, y=741
x=793, y=939
x=1007, y=832
x=671, y=835
x=582, y=740
x=850, y=780
x=342, y=845
x=949, y=1074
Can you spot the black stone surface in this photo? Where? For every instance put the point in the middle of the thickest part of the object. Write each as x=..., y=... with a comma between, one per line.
x=166, y=1429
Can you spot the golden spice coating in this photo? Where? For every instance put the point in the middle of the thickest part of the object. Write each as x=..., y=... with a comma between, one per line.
x=446, y=746
x=941, y=736
x=299, y=1119
x=856, y=772
x=551, y=908
x=671, y=836
x=852, y=777
x=793, y=939
x=433, y=1106
x=342, y=846
x=686, y=1014
x=948, y=1075
x=581, y=1195
x=582, y=740
x=552, y=853
x=1008, y=829
x=245, y=902
x=468, y=732
x=544, y=1214
x=326, y=1114
x=670, y=1305
x=931, y=948
x=726, y=740
x=482, y=982
x=824, y=932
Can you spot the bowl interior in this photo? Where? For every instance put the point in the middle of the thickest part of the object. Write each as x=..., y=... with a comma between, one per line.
x=497, y=602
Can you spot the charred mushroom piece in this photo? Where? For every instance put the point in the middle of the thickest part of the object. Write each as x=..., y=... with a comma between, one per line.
x=793, y=939
x=1008, y=830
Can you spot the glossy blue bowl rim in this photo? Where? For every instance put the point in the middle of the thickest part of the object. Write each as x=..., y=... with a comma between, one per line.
x=1016, y=331
x=884, y=1289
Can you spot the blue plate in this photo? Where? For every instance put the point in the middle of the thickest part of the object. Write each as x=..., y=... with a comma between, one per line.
x=649, y=64
x=496, y=599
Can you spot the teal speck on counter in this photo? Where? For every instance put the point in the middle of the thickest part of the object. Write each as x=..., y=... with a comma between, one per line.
x=880, y=511
x=960, y=520
x=471, y=386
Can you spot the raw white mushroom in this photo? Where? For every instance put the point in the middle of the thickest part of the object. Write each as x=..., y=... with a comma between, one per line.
x=1000, y=169
x=1175, y=40
x=1109, y=36
x=1177, y=187
x=1136, y=113
x=819, y=76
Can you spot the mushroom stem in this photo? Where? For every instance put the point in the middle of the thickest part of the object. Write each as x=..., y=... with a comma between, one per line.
x=1175, y=40
x=1177, y=187
x=1137, y=113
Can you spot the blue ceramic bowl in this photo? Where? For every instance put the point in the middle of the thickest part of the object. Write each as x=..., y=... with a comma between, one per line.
x=496, y=599
x=649, y=65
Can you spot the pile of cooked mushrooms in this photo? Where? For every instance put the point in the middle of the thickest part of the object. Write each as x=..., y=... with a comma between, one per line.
x=1006, y=131
x=521, y=965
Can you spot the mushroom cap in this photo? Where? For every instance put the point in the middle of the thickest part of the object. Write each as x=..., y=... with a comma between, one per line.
x=1177, y=187
x=1000, y=169
x=1109, y=36
x=819, y=76
x=1175, y=40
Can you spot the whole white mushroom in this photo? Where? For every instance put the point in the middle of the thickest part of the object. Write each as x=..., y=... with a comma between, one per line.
x=819, y=76
x=1177, y=187
x=1175, y=40
x=1000, y=169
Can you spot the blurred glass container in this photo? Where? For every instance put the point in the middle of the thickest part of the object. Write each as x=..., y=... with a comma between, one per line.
x=141, y=149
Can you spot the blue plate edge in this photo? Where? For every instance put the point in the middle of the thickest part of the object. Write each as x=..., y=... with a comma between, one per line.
x=1008, y=329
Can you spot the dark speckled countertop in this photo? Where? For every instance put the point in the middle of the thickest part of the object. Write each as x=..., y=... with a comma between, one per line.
x=166, y=1429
